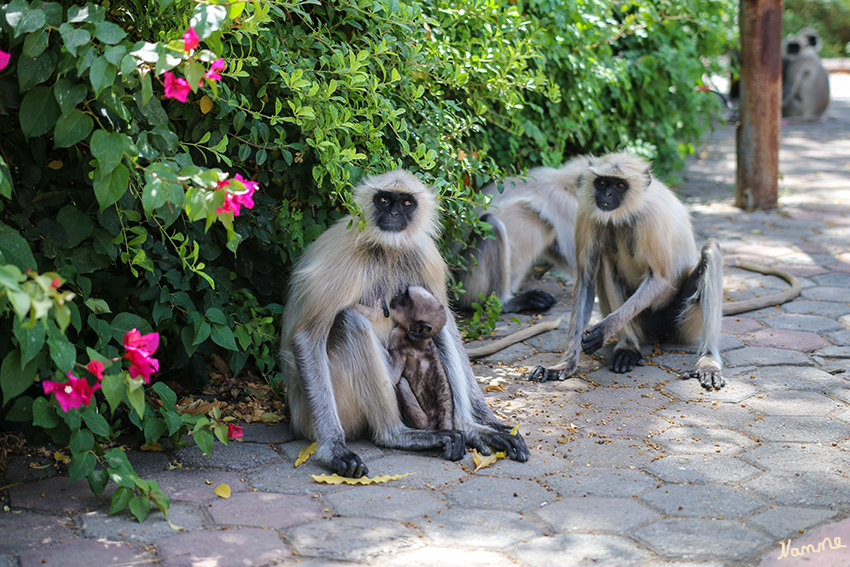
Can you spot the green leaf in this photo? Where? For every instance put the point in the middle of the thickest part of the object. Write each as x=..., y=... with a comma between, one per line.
x=215, y=315
x=204, y=439
x=16, y=249
x=136, y=396
x=102, y=74
x=98, y=481
x=32, y=20
x=147, y=86
x=193, y=72
x=72, y=128
x=112, y=186
x=97, y=306
x=15, y=12
x=120, y=499
x=109, y=33
x=62, y=351
x=35, y=70
x=44, y=413
x=73, y=37
x=35, y=43
x=202, y=333
x=69, y=95
x=81, y=465
x=223, y=337
x=96, y=422
x=21, y=409
x=207, y=19
x=39, y=112
x=123, y=322
x=108, y=148
x=140, y=506
x=82, y=441
x=166, y=394
x=78, y=225
x=30, y=339
x=154, y=429
x=160, y=183
x=172, y=419
x=90, y=14
x=113, y=388
x=15, y=378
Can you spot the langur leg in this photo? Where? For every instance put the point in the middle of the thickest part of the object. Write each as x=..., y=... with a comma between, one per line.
x=702, y=316
x=480, y=426
x=413, y=414
x=627, y=353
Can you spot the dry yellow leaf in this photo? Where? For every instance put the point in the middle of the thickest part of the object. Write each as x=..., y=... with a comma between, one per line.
x=336, y=479
x=155, y=446
x=494, y=388
x=482, y=461
x=270, y=418
x=222, y=491
x=206, y=104
x=305, y=454
x=515, y=429
x=55, y=164
x=35, y=465
x=59, y=457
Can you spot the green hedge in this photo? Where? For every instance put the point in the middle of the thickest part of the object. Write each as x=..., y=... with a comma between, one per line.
x=114, y=197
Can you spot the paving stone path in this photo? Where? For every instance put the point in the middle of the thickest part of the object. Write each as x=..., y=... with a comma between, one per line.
x=641, y=469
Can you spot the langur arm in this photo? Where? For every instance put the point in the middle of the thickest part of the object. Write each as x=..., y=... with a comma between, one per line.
x=313, y=366
x=646, y=293
x=410, y=405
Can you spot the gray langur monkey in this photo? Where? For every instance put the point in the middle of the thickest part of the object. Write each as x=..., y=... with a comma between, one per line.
x=636, y=251
x=334, y=359
x=532, y=218
x=805, y=81
x=423, y=389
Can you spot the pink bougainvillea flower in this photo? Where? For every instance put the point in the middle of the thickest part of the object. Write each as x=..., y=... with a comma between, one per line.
x=234, y=431
x=74, y=393
x=139, y=350
x=96, y=367
x=212, y=74
x=176, y=87
x=190, y=40
x=55, y=283
x=4, y=59
x=234, y=201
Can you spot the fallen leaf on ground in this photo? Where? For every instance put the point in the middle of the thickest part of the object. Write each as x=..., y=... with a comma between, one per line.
x=155, y=446
x=222, y=491
x=482, y=461
x=494, y=388
x=305, y=454
x=515, y=429
x=336, y=479
x=60, y=457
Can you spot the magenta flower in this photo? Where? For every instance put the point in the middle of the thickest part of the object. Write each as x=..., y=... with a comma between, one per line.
x=218, y=65
x=4, y=59
x=96, y=367
x=74, y=393
x=139, y=350
x=176, y=87
x=190, y=40
x=234, y=431
x=234, y=201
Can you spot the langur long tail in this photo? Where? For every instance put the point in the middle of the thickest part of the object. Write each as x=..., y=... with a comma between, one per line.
x=492, y=347
x=734, y=307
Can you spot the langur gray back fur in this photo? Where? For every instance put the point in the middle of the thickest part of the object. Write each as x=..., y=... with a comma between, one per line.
x=333, y=356
x=805, y=81
x=635, y=250
x=532, y=218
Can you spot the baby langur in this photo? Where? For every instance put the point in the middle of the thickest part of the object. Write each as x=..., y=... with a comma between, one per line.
x=532, y=218
x=424, y=393
x=635, y=248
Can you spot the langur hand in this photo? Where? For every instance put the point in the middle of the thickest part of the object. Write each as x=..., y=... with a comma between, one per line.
x=454, y=444
x=513, y=445
x=560, y=372
x=708, y=372
x=594, y=338
x=346, y=463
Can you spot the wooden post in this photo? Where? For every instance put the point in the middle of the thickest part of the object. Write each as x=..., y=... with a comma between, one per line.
x=760, y=106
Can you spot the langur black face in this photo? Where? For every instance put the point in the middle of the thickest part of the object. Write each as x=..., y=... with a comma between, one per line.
x=610, y=192
x=792, y=47
x=394, y=210
x=418, y=331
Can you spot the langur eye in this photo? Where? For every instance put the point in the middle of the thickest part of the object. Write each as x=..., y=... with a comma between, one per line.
x=603, y=183
x=407, y=203
x=383, y=200
x=621, y=186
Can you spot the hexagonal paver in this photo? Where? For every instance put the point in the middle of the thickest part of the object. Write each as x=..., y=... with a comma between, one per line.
x=32, y=531
x=800, y=489
x=800, y=429
x=245, y=547
x=736, y=390
x=703, y=440
x=789, y=402
x=125, y=527
x=387, y=502
x=702, y=501
x=579, y=550
x=826, y=293
x=739, y=325
x=785, y=521
x=707, y=468
x=687, y=538
x=264, y=509
x=285, y=478
x=498, y=494
x=762, y=356
x=596, y=514
x=780, y=338
x=233, y=457
x=58, y=494
x=647, y=376
x=596, y=452
x=633, y=400
x=477, y=528
x=810, y=323
x=799, y=457
x=793, y=378
x=597, y=481
x=808, y=307
x=622, y=423
x=84, y=553
x=352, y=539
x=443, y=557
x=430, y=472
x=195, y=485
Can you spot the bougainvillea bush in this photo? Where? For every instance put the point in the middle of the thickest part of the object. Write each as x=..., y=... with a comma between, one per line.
x=163, y=163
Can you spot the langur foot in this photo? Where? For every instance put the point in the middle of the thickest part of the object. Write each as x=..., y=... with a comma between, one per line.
x=346, y=463
x=513, y=445
x=534, y=301
x=708, y=372
x=593, y=339
x=625, y=360
x=540, y=374
x=454, y=447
